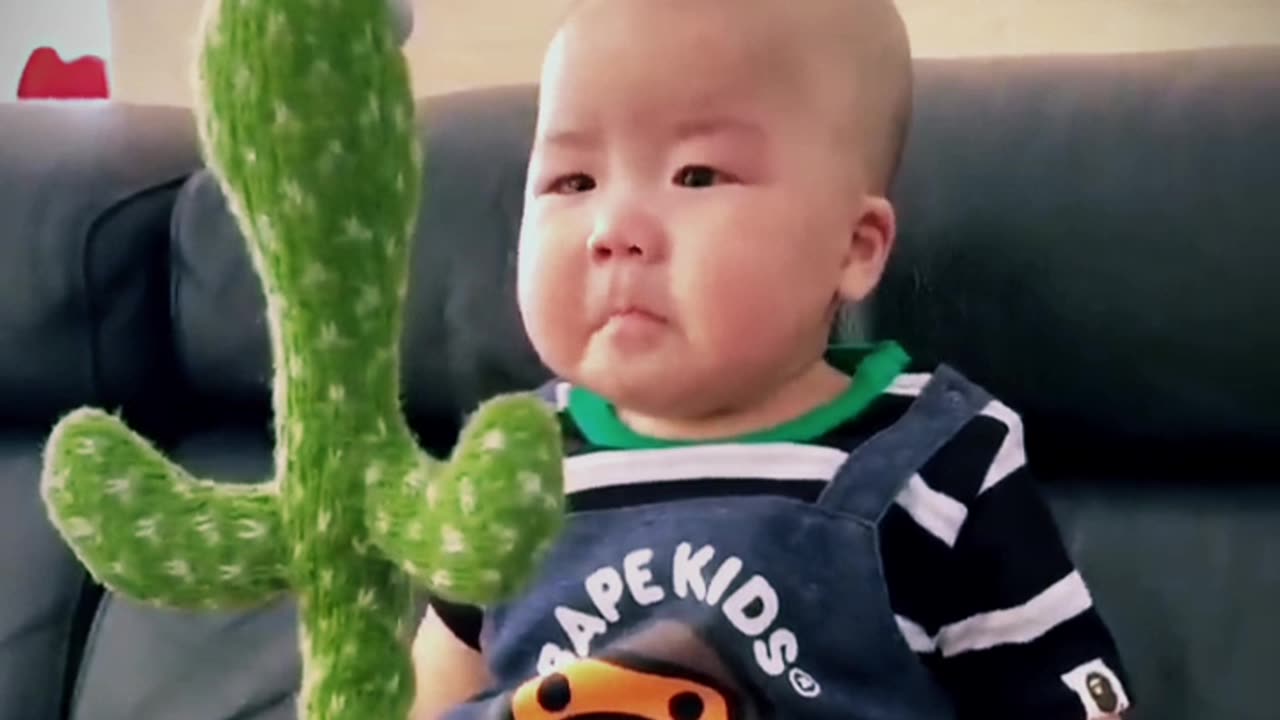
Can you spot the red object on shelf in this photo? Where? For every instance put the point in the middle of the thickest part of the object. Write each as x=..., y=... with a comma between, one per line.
x=48, y=76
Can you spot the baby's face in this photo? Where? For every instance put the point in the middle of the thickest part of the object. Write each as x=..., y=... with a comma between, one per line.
x=687, y=215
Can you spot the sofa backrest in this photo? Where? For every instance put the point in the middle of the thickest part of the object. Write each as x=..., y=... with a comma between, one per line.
x=1095, y=238
x=86, y=196
x=1090, y=237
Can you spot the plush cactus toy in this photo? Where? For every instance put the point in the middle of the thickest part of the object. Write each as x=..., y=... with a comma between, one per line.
x=306, y=116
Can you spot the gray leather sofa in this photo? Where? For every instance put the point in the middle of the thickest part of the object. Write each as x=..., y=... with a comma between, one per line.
x=1096, y=239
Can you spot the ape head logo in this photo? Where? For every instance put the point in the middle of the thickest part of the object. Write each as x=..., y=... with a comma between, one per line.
x=1102, y=692
x=665, y=672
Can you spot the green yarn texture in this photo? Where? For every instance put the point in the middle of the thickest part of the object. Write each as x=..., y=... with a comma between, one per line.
x=306, y=116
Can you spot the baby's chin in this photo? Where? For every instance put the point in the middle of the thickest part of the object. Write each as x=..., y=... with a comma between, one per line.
x=639, y=386
x=650, y=387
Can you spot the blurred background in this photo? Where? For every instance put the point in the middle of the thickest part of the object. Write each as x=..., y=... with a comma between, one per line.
x=145, y=46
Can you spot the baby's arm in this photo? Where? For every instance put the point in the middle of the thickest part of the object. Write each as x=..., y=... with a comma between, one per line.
x=1009, y=627
x=447, y=670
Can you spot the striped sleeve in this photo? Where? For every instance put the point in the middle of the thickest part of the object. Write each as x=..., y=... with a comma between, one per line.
x=985, y=591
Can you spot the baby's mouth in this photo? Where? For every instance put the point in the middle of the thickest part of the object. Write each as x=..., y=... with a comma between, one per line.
x=636, y=313
x=627, y=311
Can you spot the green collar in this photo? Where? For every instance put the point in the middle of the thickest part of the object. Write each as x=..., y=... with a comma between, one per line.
x=873, y=368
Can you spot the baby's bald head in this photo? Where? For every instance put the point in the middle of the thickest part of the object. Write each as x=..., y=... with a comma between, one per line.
x=867, y=61
x=847, y=59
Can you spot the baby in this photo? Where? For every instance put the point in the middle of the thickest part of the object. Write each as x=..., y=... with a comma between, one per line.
x=762, y=525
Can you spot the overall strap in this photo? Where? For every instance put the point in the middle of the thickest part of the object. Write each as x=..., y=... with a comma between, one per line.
x=869, y=481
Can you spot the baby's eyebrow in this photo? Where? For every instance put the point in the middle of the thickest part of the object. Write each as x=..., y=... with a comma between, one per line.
x=717, y=125
x=692, y=129
x=568, y=138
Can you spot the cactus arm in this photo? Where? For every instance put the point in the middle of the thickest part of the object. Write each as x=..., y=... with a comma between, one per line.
x=428, y=518
x=147, y=529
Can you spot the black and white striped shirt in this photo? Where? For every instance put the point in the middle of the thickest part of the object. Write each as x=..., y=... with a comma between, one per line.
x=980, y=583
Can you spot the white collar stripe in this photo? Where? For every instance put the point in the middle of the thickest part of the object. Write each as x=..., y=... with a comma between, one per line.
x=764, y=461
x=909, y=384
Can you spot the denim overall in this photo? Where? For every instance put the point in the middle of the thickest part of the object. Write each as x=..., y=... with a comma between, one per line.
x=729, y=607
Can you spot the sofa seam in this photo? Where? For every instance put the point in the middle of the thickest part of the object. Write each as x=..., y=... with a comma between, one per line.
x=68, y=682
x=173, y=273
x=73, y=686
x=90, y=306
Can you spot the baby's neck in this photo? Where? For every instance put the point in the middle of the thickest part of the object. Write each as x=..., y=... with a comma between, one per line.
x=811, y=389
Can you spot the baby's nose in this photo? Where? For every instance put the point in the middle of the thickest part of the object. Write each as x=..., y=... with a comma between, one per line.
x=611, y=247
x=629, y=236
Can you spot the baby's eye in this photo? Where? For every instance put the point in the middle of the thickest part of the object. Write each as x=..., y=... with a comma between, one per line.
x=698, y=176
x=569, y=184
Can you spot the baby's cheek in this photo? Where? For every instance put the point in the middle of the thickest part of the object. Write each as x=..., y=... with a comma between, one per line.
x=550, y=260
x=738, y=300
x=551, y=304
x=767, y=306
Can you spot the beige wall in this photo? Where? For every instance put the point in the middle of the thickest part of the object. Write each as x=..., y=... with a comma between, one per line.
x=465, y=43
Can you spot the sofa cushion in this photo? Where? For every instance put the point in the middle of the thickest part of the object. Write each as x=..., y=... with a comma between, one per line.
x=144, y=662
x=164, y=665
x=1185, y=574
x=40, y=586
x=88, y=193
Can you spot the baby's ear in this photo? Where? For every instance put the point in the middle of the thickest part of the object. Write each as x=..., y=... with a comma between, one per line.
x=870, y=242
